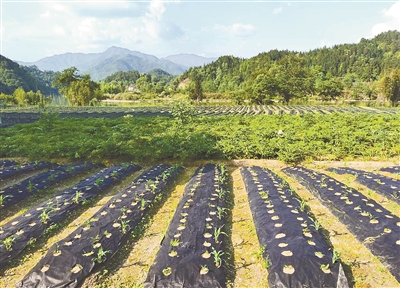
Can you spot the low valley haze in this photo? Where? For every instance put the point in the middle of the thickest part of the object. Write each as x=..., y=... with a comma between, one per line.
x=32, y=30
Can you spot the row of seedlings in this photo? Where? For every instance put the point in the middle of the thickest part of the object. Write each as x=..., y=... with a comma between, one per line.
x=6, y=163
x=192, y=251
x=376, y=227
x=18, y=169
x=392, y=169
x=22, y=230
x=386, y=186
x=294, y=249
x=71, y=260
x=14, y=193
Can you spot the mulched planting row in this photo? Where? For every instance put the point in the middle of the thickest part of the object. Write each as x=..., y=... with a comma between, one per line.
x=71, y=260
x=14, y=193
x=18, y=169
x=6, y=163
x=377, y=228
x=20, y=231
x=393, y=169
x=386, y=186
x=27, y=115
x=294, y=248
x=192, y=253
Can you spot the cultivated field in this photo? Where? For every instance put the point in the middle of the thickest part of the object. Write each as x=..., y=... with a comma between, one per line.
x=111, y=238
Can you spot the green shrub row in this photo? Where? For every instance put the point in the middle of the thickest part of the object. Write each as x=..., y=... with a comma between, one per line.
x=290, y=138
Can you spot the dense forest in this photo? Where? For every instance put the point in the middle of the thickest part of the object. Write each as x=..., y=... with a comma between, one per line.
x=13, y=76
x=368, y=70
x=359, y=71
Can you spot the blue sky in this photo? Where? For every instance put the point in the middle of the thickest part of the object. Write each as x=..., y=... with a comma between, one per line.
x=32, y=30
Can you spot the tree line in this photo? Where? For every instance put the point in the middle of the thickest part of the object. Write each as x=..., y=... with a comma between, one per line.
x=363, y=71
x=368, y=70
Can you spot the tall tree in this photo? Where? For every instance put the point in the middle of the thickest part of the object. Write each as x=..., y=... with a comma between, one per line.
x=195, y=90
x=79, y=90
x=390, y=86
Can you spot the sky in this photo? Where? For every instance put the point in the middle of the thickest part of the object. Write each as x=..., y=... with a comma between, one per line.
x=32, y=29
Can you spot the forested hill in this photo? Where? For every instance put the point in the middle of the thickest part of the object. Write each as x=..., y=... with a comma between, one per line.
x=13, y=76
x=352, y=65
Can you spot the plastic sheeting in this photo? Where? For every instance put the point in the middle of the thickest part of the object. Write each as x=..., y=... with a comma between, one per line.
x=182, y=260
x=6, y=163
x=297, y=252
x=15, y=170
x=33, y=223
x=393, y=169
x=70, y=261
x=31, y=185
x=386, y=186
x=376, y=227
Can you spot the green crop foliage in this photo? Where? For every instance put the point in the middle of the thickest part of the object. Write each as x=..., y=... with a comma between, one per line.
x=335, y=136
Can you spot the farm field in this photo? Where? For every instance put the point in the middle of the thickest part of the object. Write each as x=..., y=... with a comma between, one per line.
x=244, y=261
x=12, y=116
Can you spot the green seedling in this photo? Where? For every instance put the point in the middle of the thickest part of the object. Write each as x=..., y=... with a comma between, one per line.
x=303, y=204
x=316, y=224
x=2, y=198
x=167, y=271
x=221, y=192
x=124, y=226
x=175, y=242
x=335, y=256
x=204, y=269
x=221, y=212
x=101, y=254
x=142, y=203
x=69, y=169
x=264, y=194
x=45, y=215
x=30, y=186
x=99, y=181
x=77, y=197
x=8, y=242
x=217, y=257
x=217, y=233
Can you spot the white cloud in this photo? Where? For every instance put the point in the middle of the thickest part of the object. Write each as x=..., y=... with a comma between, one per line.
x=277, y=10
x=237, y=29
x=392, y=17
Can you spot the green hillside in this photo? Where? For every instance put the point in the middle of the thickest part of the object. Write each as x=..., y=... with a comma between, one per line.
x=13, y=76
x=353, y=71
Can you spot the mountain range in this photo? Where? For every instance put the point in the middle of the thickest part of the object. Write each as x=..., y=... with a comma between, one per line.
x=114, y=59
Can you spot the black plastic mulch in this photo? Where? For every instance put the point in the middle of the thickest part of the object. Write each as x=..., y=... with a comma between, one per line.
x=186, y=256
x=297, y=253
x=372, y=224
x=71, y=260
x=34, y=184
x=6, y=163
x=15, y=170
x=385, y=186
x=33, y=223
x=393, y=169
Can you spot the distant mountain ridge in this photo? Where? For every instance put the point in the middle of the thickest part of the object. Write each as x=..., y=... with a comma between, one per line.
x=190, y=60
x=114, y=59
